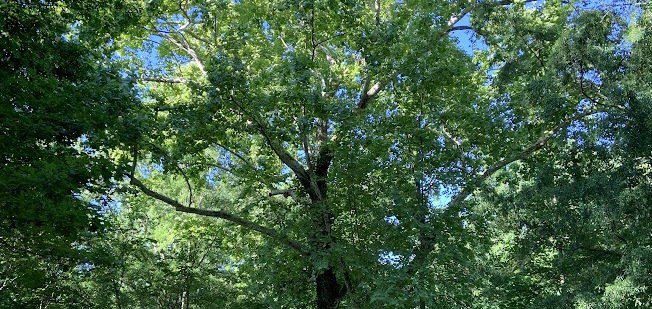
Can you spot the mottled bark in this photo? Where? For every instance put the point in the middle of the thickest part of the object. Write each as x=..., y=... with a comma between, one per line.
x=329, y=291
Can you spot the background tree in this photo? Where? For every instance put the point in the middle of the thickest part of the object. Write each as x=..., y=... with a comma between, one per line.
x=61, y=106
x=574, y=216
x=155, y=259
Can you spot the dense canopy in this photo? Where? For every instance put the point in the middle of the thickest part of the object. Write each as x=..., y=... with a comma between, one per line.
x=325, y=154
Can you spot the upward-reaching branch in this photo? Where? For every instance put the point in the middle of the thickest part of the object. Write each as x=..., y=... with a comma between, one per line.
x=369, y=93
x=426, y=241
x=183, y=46
x=377, y=11
x=547, y=135
x=300, y=172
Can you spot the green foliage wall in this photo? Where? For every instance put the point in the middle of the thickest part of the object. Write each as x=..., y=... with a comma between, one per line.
x=291, y=154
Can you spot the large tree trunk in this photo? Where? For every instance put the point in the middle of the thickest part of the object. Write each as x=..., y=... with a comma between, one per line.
x=329, y=291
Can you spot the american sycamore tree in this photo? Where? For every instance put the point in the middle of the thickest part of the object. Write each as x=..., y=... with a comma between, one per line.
x=357, y=154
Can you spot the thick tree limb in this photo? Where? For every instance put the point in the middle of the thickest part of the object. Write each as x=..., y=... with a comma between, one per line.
x=183, y=46
x=190, y=22
x=427, y=241
x=167, y=80
x=377, y=12
x=301, y=126
x=450, y=137
x=306, y=150
x=456, y=18
x=285, y=193
x=369, y=93
x=221, y=215
x=547, y=135
x=300, y=172
x=329, y=57
x=601, y=251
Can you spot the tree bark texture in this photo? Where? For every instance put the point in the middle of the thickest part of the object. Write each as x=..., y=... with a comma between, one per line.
x=329, y=291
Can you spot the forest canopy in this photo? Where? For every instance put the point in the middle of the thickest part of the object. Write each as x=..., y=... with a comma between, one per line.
x=325, y=154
